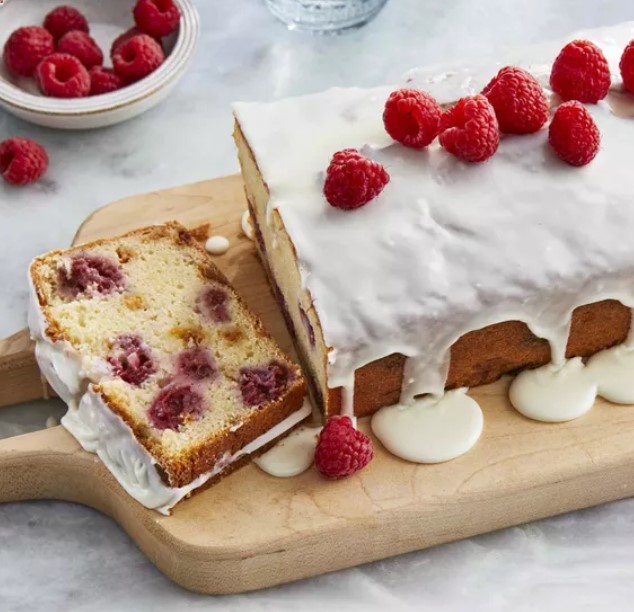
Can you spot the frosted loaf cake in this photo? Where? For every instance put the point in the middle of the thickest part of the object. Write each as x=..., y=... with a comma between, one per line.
x=169, y=378
x=455, y=274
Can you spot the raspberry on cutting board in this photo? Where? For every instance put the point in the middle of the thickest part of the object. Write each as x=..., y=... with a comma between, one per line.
x=352, y=180
x=82, y=46
x=63, y=76
x=63, y=19
x=469, y=129
x=26, y=48
x=22, y=161
x=341, y=449
x=156, y=18
x=137, y=57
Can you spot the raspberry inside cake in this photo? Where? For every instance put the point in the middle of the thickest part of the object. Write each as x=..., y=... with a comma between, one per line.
x=145, y=328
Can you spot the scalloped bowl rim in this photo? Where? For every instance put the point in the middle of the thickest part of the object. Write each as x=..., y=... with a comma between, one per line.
x=172, y=68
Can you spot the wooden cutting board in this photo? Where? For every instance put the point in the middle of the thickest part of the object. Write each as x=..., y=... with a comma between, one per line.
x=252, y=530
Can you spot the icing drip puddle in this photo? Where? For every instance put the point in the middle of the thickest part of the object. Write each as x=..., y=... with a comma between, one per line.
x=431, y=430
x=291, y=456
x=557, y=393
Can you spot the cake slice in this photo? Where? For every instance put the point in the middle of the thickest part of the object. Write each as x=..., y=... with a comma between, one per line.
x=169, y=377
x=455, y=274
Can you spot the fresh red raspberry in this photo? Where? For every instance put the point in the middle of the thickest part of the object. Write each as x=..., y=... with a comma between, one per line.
x=341, y=449
x=26, y=48
x=353, y=180
x=626, y=66
x=82, y=46
x=137, y=57
x=22, y=161
x=63, y=76
x=519, y=101
x=580, y=72
x=469, y=129
x=573, y=134
x=411, y=117
x=63, y=19
x=104, y=80
x=125, y=37
x=156, y=18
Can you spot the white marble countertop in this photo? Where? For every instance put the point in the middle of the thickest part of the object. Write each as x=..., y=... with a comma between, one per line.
x=56, y=556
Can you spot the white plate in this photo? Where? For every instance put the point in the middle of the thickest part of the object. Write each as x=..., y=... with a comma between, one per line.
x=107, y=20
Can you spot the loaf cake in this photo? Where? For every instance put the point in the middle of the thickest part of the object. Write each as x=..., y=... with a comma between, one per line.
x=169, y=377
x=455, y=274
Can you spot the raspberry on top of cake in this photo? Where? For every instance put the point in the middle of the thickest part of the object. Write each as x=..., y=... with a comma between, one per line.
x=145, y=327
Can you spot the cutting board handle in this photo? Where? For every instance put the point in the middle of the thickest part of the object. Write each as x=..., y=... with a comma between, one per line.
x=20, y=379
x=41, y=465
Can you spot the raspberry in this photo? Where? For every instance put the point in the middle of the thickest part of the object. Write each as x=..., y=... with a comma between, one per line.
x=197, y=364
x=104, y=80
x=156, y=18
x=411, y=117
x=137, y=57
x=174, y=405
x=63, y=76
x=126, y=36
x=86, y=275
x=626, y=65
x=580, y=72
x=131, y=359
x=26, y=48
x=573, y=134
x=212, y=303
x=341, y=449
x=469, y=129
x=63, y=19
x=82, y=46
x=259, y=385
x=22, y=161
x=353, y=180
x=519, y=101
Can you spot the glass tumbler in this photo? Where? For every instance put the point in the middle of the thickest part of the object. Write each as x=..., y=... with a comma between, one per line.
x=324, y=16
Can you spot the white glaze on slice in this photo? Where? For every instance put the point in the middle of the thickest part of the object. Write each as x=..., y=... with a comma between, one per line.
x=217, y=245
x=431, y=430
x=613, y=370
x=554, y=393
x=291, y=456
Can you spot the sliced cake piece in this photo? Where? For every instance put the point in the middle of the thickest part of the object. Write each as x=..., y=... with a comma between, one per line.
x=168, y=375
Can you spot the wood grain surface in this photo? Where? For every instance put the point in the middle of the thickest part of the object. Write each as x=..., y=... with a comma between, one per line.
x=251, y=530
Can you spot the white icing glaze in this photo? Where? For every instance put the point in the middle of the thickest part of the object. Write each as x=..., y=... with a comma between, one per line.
x=51, y=421
x=454, y=247
x=554, y=393
x=613, y=369
x=291, y=456
x=100, y=431
x=217, y=245
x=247, y=225
x=431, y=430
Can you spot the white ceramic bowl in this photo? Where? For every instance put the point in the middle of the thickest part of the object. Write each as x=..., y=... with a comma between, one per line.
x=108, y=19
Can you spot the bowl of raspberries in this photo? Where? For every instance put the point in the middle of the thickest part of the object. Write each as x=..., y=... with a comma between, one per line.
x=92, y=64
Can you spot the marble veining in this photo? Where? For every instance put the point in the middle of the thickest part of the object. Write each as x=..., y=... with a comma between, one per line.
x=57, y=556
